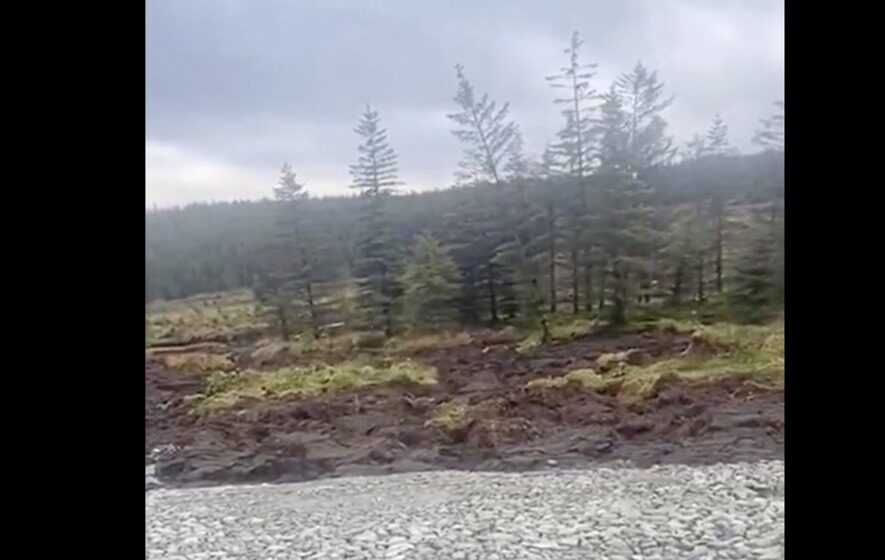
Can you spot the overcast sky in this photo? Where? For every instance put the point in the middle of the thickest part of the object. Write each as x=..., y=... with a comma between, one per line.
x=237, y=87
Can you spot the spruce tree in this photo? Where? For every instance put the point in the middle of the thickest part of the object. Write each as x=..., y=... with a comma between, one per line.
x=754, y=286
x=576, y=140
x=696, y=148
x=430, y=284
x=642, y=102
x=626, y=234
x=717, y=137
x=485, y=130
x=286, y=288
x=576, y=149
x=375, y=176
x=771, y=134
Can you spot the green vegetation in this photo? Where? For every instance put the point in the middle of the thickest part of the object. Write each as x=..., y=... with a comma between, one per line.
x=225, y=389
x=198, y=362
x=717, y=351
x=201, y=318
x=419, y=342
x=430, y=283
x=450, y=417
x=607, y=224
x=561, y=328
x=583, y=378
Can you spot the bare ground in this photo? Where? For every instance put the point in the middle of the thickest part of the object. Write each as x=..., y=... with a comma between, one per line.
x=384, y=429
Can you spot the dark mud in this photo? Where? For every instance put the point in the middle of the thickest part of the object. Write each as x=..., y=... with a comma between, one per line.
x=384, y=429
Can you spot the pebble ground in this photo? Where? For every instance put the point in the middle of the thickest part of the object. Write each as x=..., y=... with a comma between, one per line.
x=669, y=512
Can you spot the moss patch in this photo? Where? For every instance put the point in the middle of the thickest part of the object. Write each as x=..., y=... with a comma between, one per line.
x=198, y=362
x=224, y=389
x=430, y=341
x=754, y=352
x=450, y=417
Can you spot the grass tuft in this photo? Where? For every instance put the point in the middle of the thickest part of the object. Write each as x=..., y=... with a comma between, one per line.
x=450, y=417
x=197, y=362
x=225, y=389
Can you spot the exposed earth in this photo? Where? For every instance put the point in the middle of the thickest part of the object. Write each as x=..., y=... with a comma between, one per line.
x=383, y=429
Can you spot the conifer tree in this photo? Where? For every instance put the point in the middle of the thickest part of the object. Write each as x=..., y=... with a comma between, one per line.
x=430, y=284
x=576, y=149
x=717, y=137
x=754, y=285
x=375, y=176
x=485, y=130
x=771, y=133
x=642, y=102
x=287, y=288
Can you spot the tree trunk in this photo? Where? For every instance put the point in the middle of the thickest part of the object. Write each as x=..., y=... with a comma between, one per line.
x=588, y=286
x=493, y=299
x=314, y=321
x=700, y=279
x=602, y=276
x=552, y=232
x=677, y=282
x=618, y=314
x=720, y=226
x=385, y=303
x=576, y=307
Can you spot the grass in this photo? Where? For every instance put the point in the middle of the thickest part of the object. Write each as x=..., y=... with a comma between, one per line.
x=561, y=329
x=753, y=352
x=225, y=389
x=583, y=378
x=450, y=417
x=200, y=318
x=429, y=341
x=267, y=350
x=198, y=362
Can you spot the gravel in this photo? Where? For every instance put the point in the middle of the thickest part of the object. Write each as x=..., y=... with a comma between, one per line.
x=664, y=512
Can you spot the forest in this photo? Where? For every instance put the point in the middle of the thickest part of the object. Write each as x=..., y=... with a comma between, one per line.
x=614, y=218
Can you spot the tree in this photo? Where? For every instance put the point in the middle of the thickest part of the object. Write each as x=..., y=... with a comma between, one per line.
x=575, y=148
x=696, y=148
x=614, y=132
x=625, y=232
x=771, y=134
x=717, y=137
x=375, y=176
x=577, y=138
x=476, y=238
x=517, y=166
x=754, y=282
x=485, y=130
x=641, y=100
x=430, y=283
x=287, y=287
x=547, y=242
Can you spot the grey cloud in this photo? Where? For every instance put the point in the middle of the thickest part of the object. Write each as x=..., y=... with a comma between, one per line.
x=251, y=83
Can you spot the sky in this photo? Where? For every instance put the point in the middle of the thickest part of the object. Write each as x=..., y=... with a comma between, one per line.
x=234, y=88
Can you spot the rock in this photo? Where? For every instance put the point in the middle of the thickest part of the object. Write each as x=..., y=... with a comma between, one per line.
x=774, y=553
x=544, y=545
x=366, y=536
x=610, y=511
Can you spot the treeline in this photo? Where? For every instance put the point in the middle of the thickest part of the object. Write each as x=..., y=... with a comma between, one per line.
x=612, y=215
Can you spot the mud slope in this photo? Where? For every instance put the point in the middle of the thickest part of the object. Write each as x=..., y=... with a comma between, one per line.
x=511, y=427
